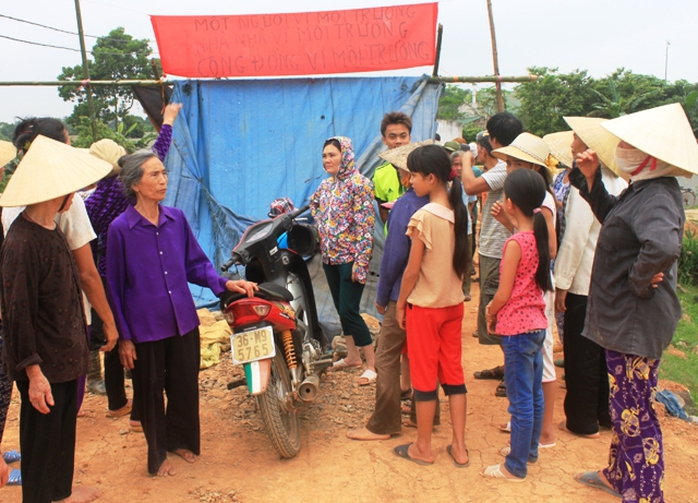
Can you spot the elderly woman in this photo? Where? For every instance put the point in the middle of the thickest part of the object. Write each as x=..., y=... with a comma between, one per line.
x=151, y=256
x=633, y=308
x=44, y=324
x=107, y=202
x=343, y=209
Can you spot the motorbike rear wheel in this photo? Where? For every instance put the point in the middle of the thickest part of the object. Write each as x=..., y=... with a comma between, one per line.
x=281, y=418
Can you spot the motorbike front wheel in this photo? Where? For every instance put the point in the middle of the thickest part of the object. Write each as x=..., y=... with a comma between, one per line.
x=281, y=418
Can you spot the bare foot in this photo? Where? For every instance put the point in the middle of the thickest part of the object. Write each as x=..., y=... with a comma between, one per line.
x=365, y=435
x=81, y=495
x=186, y=455
x=563, y=427
x=166, y=469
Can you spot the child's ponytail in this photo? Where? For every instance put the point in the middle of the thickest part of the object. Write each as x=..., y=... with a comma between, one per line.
x=433, y=160
x=540, y=231
x=526, y=189
x=461, y=262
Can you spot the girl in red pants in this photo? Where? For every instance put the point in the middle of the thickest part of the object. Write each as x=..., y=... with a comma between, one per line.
x=430, y=305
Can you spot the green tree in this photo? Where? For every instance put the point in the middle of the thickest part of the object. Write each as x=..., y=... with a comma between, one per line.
x=7, y=130
x=624, y=92
x=546, y=100
x=116, y=56
x=452, y=98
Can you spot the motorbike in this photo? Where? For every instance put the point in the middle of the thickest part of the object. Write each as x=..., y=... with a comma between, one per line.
x=276, y=334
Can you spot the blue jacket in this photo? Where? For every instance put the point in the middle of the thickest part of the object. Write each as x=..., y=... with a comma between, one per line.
x=397, y=246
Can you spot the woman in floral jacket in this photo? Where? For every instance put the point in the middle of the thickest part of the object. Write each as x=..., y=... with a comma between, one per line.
x=343, y=210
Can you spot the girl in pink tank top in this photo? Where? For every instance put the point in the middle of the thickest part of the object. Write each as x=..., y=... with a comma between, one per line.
x=517, y=312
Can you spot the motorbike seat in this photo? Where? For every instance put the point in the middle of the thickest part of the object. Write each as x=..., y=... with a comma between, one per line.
x=268, y=291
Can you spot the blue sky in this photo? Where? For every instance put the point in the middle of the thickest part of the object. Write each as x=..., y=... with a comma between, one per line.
x=595, y=35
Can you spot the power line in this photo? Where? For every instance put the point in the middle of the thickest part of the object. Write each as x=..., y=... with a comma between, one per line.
x=39, y=43
x=111, y=53
x=54, y=28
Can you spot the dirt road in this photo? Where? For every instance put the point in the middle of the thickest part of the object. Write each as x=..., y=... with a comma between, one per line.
x=238, y=463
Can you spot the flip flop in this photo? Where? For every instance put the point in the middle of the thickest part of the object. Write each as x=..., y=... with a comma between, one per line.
x=495, y=472
x=494, y=374
x=15, y=478
x=369, y=377
x=341, y=364
x=592, y=479
x=501, y=390
x=506, y=428
x=401, y=451
x=458, y=465
x=12, y=456
x=504, y=451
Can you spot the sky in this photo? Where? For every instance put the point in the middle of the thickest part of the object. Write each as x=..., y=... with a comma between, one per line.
x=594, y=35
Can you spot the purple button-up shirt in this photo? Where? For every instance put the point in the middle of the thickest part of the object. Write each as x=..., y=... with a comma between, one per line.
x=148, y=271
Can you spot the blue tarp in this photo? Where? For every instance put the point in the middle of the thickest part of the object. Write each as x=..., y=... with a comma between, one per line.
x=239, y=144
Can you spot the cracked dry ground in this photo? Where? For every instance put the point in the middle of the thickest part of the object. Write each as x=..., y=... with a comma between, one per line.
x=238, y=463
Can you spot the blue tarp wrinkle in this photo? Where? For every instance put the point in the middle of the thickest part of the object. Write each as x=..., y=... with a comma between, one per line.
x=240, y=144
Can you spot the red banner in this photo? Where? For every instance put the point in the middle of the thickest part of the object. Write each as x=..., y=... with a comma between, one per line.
x=309, y=43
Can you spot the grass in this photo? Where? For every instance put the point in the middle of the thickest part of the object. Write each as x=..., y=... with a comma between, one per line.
x=676, y=368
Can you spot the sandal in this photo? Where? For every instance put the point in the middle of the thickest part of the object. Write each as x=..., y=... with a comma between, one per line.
x=501, y=390
x=368, y=377
x=592, y=479
x=15, y=478
x=12, y=457
x=495, y=472
x=401, y=451
x=495, y=374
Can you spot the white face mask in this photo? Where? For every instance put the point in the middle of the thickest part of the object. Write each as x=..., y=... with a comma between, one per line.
x=630, y=159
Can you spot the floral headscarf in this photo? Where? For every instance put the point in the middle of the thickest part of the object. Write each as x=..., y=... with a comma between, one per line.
x=347, y=165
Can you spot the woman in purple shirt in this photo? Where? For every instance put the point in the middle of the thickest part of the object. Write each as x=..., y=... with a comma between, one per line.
x=152, y=255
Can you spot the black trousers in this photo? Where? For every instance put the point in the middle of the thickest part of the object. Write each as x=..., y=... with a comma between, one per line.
x=586, y=376
x=47, y=442
x=170, y=365
x=113, y=370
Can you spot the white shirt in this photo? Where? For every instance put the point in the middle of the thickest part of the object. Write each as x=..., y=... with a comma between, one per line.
x=493, y=234
x=74, y=224
x=575, y=255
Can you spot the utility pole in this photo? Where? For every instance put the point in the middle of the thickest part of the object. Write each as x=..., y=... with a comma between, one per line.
x=86, y=69
x=498, y=84
x=666, y=61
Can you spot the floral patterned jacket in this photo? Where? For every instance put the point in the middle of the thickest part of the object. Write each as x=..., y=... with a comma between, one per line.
x=343, y=210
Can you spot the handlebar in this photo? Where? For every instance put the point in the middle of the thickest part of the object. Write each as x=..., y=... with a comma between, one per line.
x=233, y=260
x=299, y=211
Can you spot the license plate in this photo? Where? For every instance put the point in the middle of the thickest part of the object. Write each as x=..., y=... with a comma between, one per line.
x=253, y=345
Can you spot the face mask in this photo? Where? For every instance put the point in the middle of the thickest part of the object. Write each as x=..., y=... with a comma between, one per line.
x=629, y=159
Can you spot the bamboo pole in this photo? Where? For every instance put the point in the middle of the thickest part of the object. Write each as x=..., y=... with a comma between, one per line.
x=152, y=82
x=495, y=59
x=86, y=71
x=439, y=38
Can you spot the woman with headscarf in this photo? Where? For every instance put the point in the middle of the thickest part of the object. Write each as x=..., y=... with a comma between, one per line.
x=152, y=256
x=633, y=308
x=343, y=209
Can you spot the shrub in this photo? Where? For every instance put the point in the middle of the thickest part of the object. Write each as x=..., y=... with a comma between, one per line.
x=688, y=261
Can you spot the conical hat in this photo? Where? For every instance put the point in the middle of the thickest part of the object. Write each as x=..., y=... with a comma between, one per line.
x=559, y=144
x=51, y=169
x=7, y=152
x=597, y=139
x=398, y=156
x=662, y=132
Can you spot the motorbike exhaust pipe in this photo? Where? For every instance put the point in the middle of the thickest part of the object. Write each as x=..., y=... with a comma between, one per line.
x=308, y=389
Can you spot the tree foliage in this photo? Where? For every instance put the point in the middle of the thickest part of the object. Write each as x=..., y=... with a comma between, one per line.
x=452, y=98
x=116, y=56
x=545, y=101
